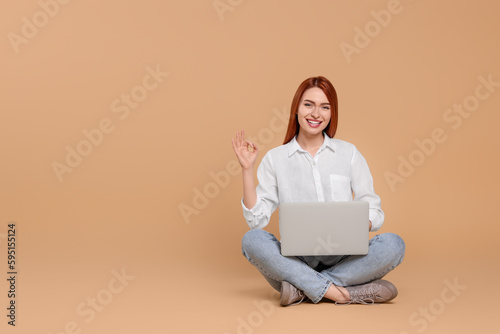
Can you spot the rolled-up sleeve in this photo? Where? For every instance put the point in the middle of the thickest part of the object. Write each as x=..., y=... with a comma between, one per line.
x=267, y=196
x=362, y=186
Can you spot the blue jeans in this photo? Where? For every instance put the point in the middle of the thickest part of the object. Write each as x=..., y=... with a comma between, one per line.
x=315, y=274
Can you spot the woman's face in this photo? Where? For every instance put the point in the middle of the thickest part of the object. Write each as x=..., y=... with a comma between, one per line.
x=314, y=112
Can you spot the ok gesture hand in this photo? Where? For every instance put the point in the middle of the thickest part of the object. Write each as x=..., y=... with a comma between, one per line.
x=245, y=150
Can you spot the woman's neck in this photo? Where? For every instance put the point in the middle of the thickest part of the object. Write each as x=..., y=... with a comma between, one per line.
x=310, y=143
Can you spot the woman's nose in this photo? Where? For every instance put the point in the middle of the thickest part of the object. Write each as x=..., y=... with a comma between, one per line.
x=315, y=112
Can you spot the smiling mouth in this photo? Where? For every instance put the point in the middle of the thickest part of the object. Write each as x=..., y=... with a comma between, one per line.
x=312, y=123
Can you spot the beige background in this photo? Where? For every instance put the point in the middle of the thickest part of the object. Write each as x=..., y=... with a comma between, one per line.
x=119, y=209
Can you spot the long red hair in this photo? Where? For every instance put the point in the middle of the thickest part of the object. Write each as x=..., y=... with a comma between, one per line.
x=326, y=86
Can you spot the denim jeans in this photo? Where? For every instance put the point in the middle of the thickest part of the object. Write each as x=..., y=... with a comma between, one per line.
x=314, y=274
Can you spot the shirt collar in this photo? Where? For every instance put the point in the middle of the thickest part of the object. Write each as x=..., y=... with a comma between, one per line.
x=293, y=145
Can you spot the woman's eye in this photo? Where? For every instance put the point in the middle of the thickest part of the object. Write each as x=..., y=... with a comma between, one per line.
x=307, y=104
x=326, y=108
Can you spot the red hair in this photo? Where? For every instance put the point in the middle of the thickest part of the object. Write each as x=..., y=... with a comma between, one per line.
x=326, y=86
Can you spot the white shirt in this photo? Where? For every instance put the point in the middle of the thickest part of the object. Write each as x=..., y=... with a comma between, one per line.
x=288, y=173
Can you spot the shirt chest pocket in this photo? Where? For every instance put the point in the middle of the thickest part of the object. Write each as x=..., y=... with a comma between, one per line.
x=341, y=187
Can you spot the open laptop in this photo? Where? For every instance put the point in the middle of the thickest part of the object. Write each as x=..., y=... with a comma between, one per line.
x=324, y=228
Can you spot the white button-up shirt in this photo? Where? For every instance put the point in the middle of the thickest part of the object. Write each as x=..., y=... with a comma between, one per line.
x=288, y=173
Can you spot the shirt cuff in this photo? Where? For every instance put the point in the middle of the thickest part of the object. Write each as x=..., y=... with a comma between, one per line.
x=374, y=218
x=251, y=215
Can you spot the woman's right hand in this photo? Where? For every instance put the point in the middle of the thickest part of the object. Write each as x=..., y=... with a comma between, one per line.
x=245, y=150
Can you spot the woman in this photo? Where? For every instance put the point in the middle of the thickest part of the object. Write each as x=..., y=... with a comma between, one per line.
x=312, y=166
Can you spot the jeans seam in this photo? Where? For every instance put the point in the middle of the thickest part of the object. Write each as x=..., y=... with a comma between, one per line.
x=323, y=292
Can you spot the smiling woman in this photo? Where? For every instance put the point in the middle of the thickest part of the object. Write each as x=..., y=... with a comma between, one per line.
x=313, y=92
x=312, y=166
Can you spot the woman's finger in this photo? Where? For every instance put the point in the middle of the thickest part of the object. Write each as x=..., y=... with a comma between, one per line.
x=235, y=148
x=248, y=144
x=255, y=147
x=237, y=139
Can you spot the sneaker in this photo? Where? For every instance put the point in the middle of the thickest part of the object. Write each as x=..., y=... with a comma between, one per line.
x=378, y=291
x=290, y=295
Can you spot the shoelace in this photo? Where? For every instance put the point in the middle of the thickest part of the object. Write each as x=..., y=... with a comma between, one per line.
x=293, y=294
x=361, y=297
x=298, y=302
x=297, y=293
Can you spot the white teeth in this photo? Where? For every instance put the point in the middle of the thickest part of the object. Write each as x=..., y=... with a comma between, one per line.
x=313, y=122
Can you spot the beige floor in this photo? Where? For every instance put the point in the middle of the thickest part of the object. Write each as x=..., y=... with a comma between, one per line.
x=233, y=298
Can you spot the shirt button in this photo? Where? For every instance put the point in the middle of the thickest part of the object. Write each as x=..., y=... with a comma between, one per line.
x=314, y=164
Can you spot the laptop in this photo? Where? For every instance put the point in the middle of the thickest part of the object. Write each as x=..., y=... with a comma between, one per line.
x=324, y=228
